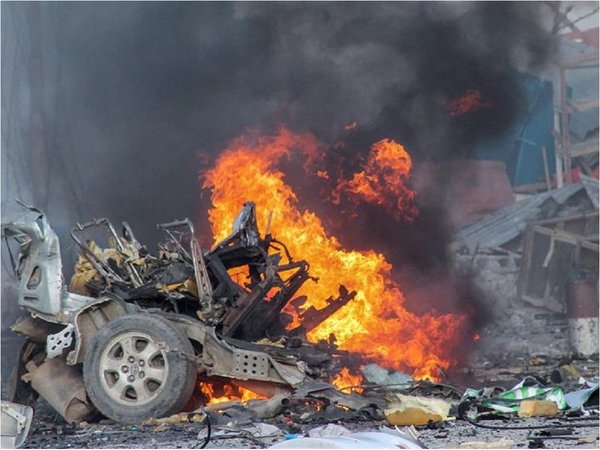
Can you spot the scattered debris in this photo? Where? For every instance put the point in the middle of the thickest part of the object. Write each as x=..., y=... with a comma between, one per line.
x=566, y=372
x=354, y=440
x=502, y=443
x=376, y=374
x=409, y=410
x=188, y=293
x=587, y=397
x=267, y=409
x=176, y=419
x=511, y=400
x=532, y=408
x=330, y=430
x=266, y=429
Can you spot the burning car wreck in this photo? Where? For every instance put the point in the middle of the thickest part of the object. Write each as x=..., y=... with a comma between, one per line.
x=137, y=335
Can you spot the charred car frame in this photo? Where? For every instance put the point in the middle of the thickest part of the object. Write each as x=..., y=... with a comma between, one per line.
x=134, y=333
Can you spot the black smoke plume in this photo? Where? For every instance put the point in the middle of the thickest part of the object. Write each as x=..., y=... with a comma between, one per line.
x=111, y=109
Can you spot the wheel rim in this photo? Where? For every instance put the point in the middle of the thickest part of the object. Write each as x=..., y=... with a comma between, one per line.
x=133, y=369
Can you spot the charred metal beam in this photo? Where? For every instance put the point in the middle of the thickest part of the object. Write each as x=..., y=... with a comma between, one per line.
x=245, y=306
x=312, y=317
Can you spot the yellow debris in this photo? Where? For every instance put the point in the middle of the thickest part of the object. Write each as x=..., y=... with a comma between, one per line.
x=175, y=419
x=409, y=410
x=531, y=408
x=85, y=271
x=190, y=286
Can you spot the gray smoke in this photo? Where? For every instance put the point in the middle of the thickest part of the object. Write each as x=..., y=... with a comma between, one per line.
x=122, y=98
x=112, y=108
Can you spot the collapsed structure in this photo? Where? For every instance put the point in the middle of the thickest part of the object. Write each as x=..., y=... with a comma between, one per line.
x=137, y=333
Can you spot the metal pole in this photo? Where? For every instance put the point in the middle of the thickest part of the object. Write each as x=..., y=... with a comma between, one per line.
x=564, y=128
x=556, y=128
x=546, y=170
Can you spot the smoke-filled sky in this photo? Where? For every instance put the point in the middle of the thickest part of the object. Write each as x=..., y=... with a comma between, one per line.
x=112, y=108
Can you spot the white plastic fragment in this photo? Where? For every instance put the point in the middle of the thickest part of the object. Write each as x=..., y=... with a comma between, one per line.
x=371, y=439
x=331, y=430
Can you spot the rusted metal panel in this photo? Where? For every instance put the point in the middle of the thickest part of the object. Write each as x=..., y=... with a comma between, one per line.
x=62, y=386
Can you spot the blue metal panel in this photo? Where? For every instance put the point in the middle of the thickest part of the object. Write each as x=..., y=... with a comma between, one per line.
x=527, y=161
x=521, y=146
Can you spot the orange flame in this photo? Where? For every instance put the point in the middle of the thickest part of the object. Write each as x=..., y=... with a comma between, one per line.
x=382, y=182
x=345, y=379
x=375, y=323
x=323, y=174
x=226, y=393
x=470, y=102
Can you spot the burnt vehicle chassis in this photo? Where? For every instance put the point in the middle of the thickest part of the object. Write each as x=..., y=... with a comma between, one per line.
x=135, y=333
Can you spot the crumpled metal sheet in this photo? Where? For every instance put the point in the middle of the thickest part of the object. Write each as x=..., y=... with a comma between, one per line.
x=324, y=391
x=63, y=388
x=580, y=398
x=15, y=424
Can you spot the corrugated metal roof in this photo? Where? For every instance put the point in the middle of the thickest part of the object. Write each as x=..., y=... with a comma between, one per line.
x=508, y=223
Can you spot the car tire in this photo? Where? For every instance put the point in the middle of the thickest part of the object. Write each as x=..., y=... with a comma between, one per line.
x=139, y=366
